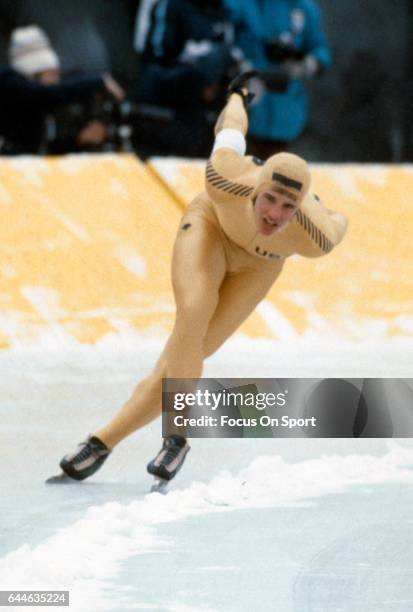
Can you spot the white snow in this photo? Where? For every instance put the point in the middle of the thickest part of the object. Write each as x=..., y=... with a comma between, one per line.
x=311, y=356
x=168, y=167
x=73, y=228
x=44, y=300
x=344, y=179
x=30, y=168
x=276, y=321
x=76, y=163
x=131, y=260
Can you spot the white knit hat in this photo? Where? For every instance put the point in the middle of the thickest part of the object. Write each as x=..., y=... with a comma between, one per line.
x=30, y=51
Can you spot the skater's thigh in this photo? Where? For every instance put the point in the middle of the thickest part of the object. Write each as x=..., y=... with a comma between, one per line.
x=239, y=295
x=198, y=266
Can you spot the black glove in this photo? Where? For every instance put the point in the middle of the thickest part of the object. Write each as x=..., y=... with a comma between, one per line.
x=239, y=85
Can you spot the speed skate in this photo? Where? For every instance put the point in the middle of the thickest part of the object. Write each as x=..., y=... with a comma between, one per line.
x=61, y=478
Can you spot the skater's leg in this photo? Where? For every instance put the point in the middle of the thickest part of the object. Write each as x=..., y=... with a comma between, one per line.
x=198, y=269
x=239, y=295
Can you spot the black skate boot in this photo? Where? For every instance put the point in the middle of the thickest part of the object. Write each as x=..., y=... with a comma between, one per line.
x=168, y=461
x=85, y=461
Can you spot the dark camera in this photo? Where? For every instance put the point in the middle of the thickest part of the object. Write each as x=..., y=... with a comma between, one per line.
x=69, y=121
x=279, y=50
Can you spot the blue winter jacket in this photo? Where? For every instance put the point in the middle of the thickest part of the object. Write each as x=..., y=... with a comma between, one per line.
x=279, y=116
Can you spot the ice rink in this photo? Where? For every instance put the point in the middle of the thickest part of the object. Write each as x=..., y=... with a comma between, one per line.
x=272, y=525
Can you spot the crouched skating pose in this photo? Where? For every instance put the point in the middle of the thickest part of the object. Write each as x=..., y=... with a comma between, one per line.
x=230, y=248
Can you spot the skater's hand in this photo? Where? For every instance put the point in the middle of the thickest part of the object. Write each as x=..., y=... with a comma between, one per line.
x=239, y=85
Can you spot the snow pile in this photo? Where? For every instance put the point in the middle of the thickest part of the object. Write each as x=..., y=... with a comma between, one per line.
x=303, y=357
x=86, y=556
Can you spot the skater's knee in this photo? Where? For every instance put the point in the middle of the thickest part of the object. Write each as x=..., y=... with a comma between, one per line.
x=193, y=316
x=211, y=345
x=184, y=332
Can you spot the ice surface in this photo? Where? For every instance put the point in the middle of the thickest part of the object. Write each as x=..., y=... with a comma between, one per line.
x=278, y=522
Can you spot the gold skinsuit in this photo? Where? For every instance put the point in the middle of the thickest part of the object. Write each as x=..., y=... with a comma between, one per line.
x=222, y=268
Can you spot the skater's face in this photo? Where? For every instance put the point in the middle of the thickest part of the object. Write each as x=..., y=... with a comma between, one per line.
x=272, y=212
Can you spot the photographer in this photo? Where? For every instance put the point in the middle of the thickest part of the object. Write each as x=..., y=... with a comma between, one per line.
x=185, y=48
x=284, y=39
x=30, y=89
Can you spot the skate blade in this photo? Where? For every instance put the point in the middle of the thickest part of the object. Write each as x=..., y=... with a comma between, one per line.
x=60, y=479
x=159, y=486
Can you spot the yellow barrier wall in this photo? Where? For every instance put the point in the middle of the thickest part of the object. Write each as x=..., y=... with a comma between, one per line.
x=85, y=247
x=86, y=240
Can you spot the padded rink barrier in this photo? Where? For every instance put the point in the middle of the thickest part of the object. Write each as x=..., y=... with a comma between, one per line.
x=86, y=242
x=85, y=248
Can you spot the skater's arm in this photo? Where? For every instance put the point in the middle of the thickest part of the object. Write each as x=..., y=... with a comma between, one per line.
x=229, y=174
x=319, y=229
x=233, y=117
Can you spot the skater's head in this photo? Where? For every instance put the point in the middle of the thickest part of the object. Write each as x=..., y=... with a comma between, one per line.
x=31, y=54
x=282, y=185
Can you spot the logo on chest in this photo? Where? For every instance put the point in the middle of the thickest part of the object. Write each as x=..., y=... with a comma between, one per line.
x=264, y=253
